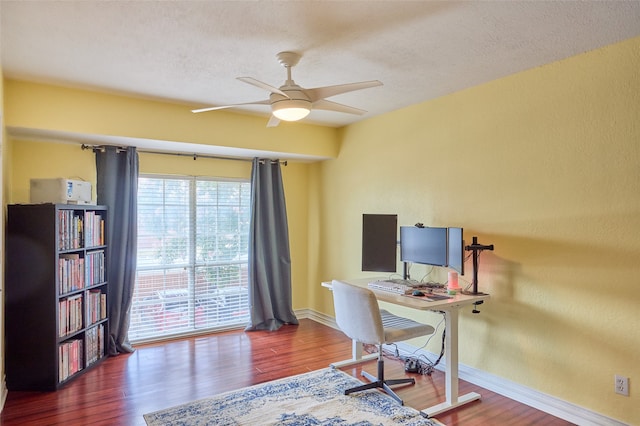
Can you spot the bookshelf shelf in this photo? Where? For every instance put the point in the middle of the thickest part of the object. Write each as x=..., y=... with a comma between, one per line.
x=56, y=314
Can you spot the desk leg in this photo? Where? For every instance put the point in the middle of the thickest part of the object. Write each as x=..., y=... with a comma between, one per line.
x=356, y=356
x=451, y=373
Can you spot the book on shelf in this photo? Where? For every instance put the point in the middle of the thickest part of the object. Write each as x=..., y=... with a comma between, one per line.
x=71, y=272
x=70, y=358
x=94, y=344
x=103, y=306
x=96, y=303
x=70, y=316
x=70, y=230
x=94, y=229
x=94, y=267
x=62, y=318
x=63, y=356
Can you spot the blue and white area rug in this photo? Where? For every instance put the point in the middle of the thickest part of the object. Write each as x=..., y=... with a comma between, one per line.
x=316, y=398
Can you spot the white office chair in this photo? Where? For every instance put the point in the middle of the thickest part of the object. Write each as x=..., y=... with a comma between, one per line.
x=359, y=317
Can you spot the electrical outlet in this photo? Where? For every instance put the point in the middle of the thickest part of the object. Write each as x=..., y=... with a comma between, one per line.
x=622, y=385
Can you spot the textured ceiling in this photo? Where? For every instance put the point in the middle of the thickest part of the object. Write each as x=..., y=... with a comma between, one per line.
x=192, y=51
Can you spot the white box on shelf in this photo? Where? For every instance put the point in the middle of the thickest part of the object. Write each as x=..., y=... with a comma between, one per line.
x=60, y=190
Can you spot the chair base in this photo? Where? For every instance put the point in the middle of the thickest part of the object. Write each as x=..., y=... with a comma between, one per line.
x=380, y=383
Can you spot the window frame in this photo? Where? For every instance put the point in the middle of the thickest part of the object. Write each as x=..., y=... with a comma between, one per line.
x=193, y=266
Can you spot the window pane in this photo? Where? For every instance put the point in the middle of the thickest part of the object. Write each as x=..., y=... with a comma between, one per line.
x=161, y=304
x=163, y=221
x=192, y=256
x=222, y=295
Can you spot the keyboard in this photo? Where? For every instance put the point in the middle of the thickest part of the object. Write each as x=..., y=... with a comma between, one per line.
x=398, y=286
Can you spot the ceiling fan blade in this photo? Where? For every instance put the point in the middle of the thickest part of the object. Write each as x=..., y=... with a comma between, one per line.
x=264, y=102
x=328, y=91
x=334, y=106
x=273, y=121
x=262, y=85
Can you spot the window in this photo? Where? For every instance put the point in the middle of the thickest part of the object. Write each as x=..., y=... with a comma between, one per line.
x=192, y=262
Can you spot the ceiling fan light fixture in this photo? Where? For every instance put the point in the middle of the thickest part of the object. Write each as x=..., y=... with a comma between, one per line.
x=291, y=109
x=291, y=102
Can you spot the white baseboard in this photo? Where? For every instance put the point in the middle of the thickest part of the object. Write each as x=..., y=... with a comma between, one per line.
x=317, y=317
x=531, y=397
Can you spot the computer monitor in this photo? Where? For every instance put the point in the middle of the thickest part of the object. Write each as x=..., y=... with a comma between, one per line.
x=456, y=249
x=379, y=242
x=427, y=245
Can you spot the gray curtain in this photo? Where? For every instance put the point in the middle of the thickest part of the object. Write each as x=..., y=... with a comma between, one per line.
x=117, y=188
x=269, y=256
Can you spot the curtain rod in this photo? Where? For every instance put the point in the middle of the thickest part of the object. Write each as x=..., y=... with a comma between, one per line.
x=180, y=154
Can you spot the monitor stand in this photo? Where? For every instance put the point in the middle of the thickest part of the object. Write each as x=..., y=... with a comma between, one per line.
x=476, y=249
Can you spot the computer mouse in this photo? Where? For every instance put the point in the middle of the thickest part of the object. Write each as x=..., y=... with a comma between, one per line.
x=417, y=293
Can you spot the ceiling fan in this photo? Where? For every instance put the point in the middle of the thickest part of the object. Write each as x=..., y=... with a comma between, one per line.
x=291, y=102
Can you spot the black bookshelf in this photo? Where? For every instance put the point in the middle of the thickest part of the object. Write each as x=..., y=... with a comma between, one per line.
x=56, y=314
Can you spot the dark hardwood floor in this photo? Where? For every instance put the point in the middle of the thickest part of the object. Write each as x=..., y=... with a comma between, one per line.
x=121, y=389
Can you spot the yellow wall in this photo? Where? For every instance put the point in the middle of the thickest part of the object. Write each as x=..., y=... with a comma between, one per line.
x=544, y=164
x=52, y=108
x=47, y=160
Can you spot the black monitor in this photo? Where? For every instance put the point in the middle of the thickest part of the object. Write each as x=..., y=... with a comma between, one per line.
x=427, y=246
x=456, y=250
x=379, y=242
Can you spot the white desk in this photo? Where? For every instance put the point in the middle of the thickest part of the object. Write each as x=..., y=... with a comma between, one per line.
x=450, y=307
